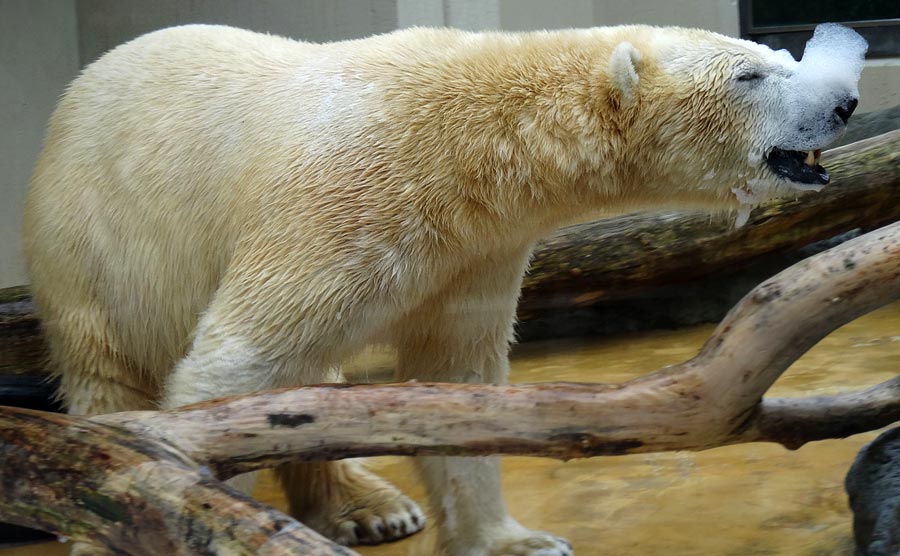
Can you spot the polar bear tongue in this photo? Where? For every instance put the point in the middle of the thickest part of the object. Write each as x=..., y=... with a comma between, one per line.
x=802, y=169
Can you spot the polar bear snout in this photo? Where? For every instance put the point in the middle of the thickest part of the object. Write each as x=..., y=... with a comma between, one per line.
x=845, y=109
x=816, y=124
x=796, y=159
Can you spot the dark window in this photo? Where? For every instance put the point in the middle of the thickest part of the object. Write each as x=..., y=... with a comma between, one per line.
x=789, y=23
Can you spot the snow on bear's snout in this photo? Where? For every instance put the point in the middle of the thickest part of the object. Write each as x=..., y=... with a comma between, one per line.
x=817, y=99
x=823, y=89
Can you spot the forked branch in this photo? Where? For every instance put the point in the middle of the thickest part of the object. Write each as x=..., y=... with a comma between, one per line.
x=710, y=400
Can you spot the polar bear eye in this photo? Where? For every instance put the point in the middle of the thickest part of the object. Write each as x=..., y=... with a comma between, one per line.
x=750, y=76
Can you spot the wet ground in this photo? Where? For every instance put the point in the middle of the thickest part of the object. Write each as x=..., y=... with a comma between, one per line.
x=749, y=500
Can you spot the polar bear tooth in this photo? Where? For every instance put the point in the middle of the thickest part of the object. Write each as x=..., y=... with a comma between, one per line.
x=810, y=159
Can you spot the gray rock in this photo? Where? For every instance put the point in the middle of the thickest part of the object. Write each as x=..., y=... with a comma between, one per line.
x=873, y=485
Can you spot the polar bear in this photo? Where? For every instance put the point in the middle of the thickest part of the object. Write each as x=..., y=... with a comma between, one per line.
x=217, y=211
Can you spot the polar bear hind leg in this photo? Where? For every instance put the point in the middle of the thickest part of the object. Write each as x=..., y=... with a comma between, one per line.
x=95, y=378
x=463, y=335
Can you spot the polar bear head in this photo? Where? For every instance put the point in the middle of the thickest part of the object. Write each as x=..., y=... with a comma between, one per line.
x=730, y=120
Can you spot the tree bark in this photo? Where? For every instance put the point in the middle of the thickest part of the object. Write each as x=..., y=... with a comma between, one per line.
x=22, y=351
x=133, y=493
x=136, y=480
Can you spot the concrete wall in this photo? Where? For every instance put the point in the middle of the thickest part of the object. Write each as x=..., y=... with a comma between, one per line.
x=38, y=57
x=522, y=15
x=879, y=86
x=716, y=15
x=44, y=42
x=103, y=24
x=512, y=15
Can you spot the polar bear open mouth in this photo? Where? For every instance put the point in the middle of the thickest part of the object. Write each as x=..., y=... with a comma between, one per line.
x=797, y=166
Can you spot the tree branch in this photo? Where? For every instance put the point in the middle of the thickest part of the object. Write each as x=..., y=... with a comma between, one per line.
x=710, y=400
x=793, y=422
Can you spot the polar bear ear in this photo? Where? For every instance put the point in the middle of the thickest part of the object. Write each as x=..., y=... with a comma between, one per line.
x=623, y=70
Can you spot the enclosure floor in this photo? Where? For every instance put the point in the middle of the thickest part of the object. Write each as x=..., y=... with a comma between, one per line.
x=749, y=500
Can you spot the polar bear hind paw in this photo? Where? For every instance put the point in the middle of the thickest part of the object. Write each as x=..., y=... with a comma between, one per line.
x=536, y=544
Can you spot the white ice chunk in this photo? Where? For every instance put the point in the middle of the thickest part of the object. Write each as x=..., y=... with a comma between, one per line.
x=825, y=79
x=834, y=52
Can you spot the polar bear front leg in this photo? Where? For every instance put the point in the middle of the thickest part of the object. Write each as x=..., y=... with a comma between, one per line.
x=463, y=335
x=340, y=500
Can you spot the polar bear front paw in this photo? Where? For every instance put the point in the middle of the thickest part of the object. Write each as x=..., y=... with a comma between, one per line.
x=383, y=520
x=362, y=508
x=536, y=543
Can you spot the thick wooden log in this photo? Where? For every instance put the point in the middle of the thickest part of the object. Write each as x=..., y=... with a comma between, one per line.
x=136, y=481
x=22, y=350
x=135, y=494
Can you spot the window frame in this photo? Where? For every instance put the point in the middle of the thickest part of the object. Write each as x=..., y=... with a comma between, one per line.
x=883, y=35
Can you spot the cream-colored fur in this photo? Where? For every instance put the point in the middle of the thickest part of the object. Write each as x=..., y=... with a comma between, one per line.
x=217, y=211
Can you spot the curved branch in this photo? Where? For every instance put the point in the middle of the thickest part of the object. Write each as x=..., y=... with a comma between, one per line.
x=711, y=400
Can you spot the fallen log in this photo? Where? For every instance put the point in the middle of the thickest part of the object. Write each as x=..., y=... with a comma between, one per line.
x=120, y=476
x=22, y=350
x=134, y=494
